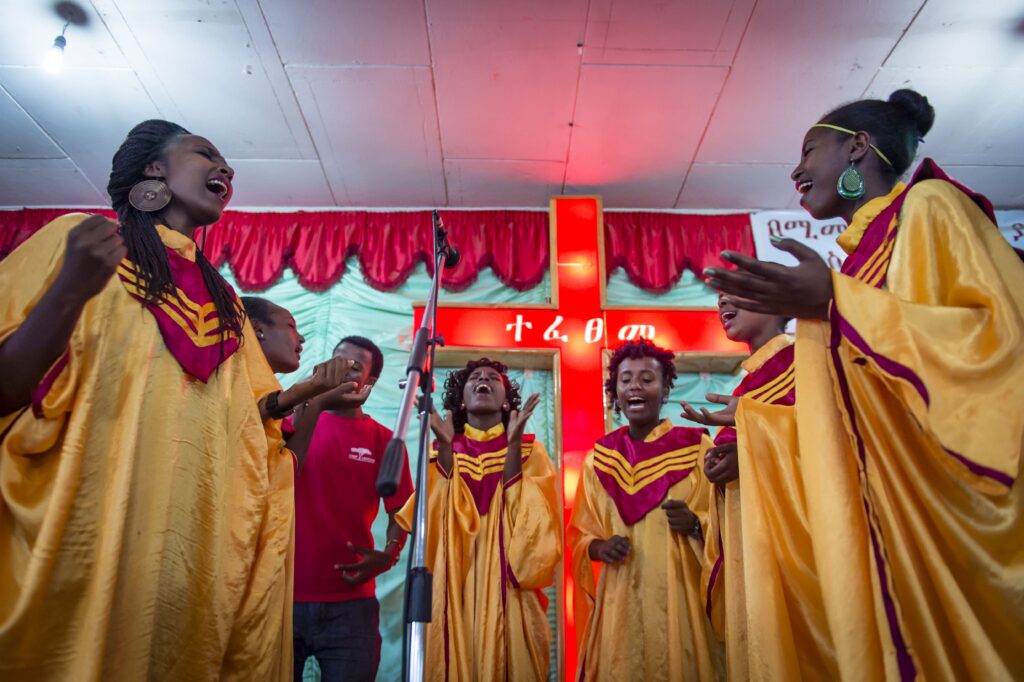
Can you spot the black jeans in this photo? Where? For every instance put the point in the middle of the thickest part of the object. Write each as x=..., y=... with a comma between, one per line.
x=344, y=637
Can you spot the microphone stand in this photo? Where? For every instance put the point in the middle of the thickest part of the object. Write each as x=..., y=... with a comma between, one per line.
x=419, y=374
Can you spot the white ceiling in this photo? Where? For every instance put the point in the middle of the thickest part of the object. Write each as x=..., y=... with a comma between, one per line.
x=666, y=104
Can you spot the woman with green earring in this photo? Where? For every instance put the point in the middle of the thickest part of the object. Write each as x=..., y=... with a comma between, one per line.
x=907, y=441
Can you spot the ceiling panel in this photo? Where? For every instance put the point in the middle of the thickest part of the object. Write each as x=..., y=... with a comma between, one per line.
x=978, y=111
x=20, y=136
x=45, y=182
x=690, y=32
x=274, y=182
x=409, y=103
x=387, y=154
x=348, y=31
x=28, y=27
x=98, y=109
x=506, y=77
x=636, y=131
x=741, y=186
x=1003, y=185
x=203, y=55
x=506, y=184
x=798, y=60
x=958, y=34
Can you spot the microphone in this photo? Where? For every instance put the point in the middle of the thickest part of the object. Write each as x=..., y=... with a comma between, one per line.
x=451, y=254
x=452, y=257
x=391, y=468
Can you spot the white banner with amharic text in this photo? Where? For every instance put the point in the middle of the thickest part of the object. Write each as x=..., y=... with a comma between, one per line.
x=821, y=235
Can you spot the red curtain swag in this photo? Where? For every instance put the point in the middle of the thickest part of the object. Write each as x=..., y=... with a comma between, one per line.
x=654, y=248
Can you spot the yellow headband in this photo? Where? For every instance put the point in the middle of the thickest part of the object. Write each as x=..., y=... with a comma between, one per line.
x=878, y=151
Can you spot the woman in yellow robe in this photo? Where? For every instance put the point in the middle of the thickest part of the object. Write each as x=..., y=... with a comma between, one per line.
x=494, y=532
x=641, y=509
x=145, y=500
x=909, y=428
x=747, y=540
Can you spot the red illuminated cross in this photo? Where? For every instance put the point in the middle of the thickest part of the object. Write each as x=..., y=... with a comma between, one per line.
x=579, y=327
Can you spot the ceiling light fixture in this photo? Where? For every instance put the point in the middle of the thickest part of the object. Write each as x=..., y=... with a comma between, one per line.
x=54, y=61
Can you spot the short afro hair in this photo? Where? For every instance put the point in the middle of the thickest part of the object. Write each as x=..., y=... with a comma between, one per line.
x=377, y=361
x=641, y=348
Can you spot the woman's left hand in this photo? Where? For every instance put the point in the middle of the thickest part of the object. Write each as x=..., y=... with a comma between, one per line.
x=803, y=291
x=518, y=418
x=724, y=417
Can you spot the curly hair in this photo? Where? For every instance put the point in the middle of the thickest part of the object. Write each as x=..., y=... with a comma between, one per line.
x=455, y=384
x=641, y=348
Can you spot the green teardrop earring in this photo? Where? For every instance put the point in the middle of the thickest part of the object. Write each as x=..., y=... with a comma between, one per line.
x=851, y=183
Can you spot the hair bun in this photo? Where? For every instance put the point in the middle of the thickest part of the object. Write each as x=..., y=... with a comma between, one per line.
x=916, y=106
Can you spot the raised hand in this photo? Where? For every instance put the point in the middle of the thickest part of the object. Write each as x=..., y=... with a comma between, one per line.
x=721, y=464
x=723, y=417
x=803, y=291
x=443, y=428
x=614, y=550
x=91, y=256
x=680, y=519
x=517, y=418
x=371, y=563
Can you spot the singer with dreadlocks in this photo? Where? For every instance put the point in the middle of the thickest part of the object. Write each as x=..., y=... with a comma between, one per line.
x=494, y=532
x=641, y=510
x=145, y=500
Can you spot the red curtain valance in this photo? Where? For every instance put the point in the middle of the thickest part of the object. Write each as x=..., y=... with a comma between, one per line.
x=655, y=248
x=17, y=226
x=315, y=245
x=258, y=246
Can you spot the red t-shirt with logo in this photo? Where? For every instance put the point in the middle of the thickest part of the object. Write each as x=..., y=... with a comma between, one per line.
x=336, y=502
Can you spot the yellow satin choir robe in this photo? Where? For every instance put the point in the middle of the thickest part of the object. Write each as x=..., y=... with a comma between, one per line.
x=488, y=624
x=643, y=619
x=765, y=600
x=910, y=428
x=146, y=518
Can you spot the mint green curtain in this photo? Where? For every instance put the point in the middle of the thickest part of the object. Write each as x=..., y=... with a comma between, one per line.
x=689, y=292
x=353, y=307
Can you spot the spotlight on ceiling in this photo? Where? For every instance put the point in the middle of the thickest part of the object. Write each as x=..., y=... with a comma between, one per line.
x=71, y=13
x=54, y=61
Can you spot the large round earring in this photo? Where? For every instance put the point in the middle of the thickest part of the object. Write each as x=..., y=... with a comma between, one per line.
x=149, y=196
x=851, y=183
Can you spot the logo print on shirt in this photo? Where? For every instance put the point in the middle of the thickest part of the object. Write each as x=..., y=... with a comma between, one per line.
x=362, y=455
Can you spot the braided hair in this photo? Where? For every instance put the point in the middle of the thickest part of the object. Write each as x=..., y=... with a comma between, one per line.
x=455, y=384
x=896, y=126
x=641, y=348
x=146, y=143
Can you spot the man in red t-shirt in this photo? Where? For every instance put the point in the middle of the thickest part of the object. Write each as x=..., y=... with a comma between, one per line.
x=339, y=450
